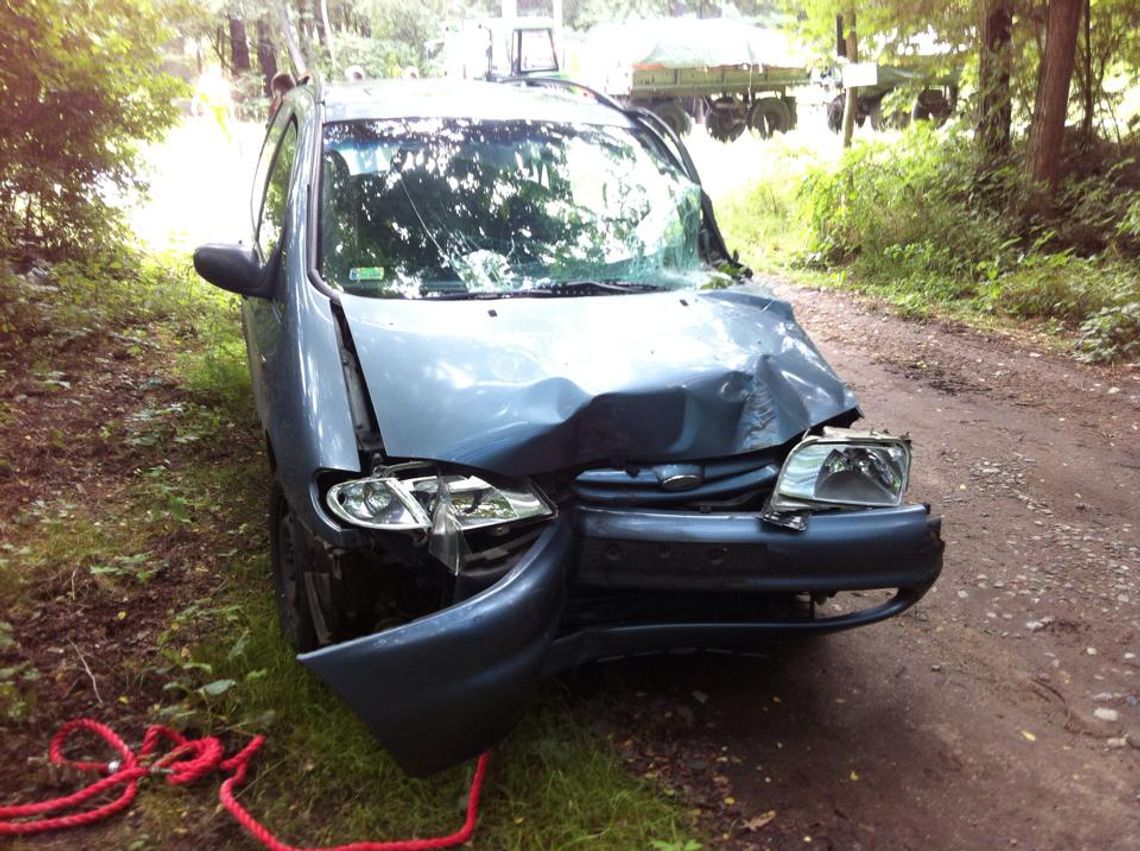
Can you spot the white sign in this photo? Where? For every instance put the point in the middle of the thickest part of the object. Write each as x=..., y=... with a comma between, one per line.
x=858, y=74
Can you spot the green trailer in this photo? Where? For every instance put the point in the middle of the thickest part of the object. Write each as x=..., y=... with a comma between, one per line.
x=730, y=98
x=731, y=74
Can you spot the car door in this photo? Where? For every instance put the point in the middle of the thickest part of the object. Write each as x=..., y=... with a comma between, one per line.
x=262, y=318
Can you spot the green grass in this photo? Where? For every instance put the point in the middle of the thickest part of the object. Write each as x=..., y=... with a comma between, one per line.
x=218, y=664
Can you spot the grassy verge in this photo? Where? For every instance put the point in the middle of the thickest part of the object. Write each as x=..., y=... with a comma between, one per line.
x=913, y=219
x=135, y=545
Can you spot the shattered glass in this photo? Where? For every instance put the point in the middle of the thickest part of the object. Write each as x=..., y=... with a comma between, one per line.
x=451, y=208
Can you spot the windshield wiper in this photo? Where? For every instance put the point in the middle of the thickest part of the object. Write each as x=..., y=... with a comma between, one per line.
x=562, y=288
x=596, y=287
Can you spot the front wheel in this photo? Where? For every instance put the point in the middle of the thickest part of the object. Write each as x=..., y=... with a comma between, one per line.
x=674, y=115
x=290, y=561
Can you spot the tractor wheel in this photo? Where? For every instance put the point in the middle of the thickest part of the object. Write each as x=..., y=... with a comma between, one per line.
x=931, y=105
x=769, y=116
x=725, y=120
x=674, y=115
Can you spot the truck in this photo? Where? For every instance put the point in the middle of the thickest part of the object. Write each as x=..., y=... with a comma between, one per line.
x=727, y=72
x=496, y=48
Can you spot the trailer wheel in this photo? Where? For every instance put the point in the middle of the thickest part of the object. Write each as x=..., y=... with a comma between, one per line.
x=931, y=105
x=769, y=116
x=726, y=119
x=835, y=113
x=673, y=114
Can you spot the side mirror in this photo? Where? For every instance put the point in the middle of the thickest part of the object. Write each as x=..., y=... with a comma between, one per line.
x=234, y=268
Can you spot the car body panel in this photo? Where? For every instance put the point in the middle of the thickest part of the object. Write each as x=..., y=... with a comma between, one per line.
x=512, y=387
x=442, y=688
x=428, y=99
x=445, y=687
x=294, y=358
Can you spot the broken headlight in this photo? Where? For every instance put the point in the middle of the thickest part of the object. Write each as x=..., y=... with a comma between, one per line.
x=842, y=467
x=390, y=503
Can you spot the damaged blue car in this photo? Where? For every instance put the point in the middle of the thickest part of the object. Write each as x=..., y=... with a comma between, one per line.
x=523, y=410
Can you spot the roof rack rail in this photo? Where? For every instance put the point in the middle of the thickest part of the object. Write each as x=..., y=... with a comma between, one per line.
x=560, y=83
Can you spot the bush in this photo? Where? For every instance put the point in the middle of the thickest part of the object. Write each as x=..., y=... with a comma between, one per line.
x=902, y=208
x=1111, y=334
x=922, y=221
x=81, y=87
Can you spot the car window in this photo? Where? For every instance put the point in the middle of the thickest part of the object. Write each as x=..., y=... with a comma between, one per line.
x=419, y=208
x=281, y=120
x=277, y=192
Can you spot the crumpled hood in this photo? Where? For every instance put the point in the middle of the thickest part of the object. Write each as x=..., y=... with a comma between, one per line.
x=520, y=386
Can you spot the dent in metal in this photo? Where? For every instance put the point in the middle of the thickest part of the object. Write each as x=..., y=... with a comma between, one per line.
x=443, y=688
x=536, y=385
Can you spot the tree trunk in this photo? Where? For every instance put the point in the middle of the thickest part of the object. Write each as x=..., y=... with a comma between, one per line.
x=1089, y=84
x=296, y=57
x=239, y=45
x=851, y=105
x=1047, y=131
x=304, y=23
x=266, y=54
x=996, y=105
x=326, y=30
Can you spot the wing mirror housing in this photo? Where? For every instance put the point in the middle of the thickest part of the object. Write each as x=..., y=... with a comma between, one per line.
x=235, y=268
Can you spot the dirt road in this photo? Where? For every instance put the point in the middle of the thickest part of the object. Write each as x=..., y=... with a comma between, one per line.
x=1002, y=711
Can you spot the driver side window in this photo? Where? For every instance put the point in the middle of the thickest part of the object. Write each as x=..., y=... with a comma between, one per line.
x=277, y=193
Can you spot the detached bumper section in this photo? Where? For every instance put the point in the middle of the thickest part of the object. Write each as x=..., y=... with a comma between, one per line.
x=443, y=688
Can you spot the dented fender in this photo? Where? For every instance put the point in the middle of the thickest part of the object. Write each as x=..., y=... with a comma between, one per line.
x=449, y=685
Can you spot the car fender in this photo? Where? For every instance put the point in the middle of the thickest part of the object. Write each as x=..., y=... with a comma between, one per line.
x=445, y=687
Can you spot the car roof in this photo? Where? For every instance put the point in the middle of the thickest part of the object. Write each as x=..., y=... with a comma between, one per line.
x=379, y=99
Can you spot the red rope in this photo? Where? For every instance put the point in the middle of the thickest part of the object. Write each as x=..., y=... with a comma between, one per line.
x=188, y=760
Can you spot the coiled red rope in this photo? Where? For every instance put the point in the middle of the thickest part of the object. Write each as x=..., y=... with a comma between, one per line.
x=187, y=761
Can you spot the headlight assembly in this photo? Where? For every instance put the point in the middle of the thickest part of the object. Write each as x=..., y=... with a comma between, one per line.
x=842, y=467
x=394, y=504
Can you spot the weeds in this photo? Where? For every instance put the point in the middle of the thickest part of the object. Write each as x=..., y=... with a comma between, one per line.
x=919, y=221
x=181, y=524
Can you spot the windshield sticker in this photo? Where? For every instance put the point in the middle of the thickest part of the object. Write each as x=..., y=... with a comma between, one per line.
x=366, y=273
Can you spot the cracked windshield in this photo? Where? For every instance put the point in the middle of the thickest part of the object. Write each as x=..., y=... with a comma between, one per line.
x=430, y=208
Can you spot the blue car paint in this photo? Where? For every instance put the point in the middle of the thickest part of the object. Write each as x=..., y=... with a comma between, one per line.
x=535, y=385
x=443, y=688
x=521, y=386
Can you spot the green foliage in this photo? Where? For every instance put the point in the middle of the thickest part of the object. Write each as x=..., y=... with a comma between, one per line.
x=1111, y=334
x=765, y=217
x=919, y=220
x=906, y=208
x=379, y=57
x=250, y=102
x=78, y=88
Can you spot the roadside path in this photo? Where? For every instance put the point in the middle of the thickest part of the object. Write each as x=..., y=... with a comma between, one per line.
x=1003, y=710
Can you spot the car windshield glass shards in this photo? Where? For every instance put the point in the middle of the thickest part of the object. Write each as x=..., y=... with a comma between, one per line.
x=428, y=208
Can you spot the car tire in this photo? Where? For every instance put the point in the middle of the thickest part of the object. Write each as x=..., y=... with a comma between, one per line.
x=290, y=560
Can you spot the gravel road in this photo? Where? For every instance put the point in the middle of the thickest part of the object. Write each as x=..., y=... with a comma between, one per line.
x=1003, y=710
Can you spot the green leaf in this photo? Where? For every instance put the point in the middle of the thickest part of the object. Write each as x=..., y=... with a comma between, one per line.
x=216, y=688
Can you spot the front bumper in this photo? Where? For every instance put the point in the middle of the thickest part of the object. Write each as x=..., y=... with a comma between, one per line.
x=447, y=686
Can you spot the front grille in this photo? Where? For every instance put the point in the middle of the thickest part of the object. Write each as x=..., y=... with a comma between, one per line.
x=740, y=482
